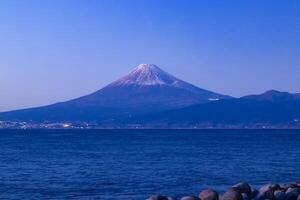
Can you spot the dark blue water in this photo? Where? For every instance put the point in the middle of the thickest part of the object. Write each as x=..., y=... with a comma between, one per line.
x=130, y=165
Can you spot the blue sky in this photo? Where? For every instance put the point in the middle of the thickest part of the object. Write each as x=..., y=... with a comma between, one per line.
x=55, y=50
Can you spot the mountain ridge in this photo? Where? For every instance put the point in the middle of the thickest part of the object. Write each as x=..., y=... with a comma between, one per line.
x=147, y=82
x=149, y=97
x=146, y=88
x=274, y=95
x=247, y=111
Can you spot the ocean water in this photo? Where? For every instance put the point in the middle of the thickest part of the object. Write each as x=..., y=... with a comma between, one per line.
x=131, y=165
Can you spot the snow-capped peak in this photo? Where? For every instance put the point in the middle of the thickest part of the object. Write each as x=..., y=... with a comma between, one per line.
x=147, y=74
x=146, y=67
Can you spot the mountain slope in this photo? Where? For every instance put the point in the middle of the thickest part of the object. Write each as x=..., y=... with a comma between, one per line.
x=272, y=107
x=149, y=86
x=145, y=89
x=274, y=95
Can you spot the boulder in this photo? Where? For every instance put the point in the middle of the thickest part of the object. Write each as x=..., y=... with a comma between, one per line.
x=266, y=192
x=292, y=196
x=279, y=195
x=243, y=187
x=295, y=185
x=285, y=186
x=292, y=193
x=293, y=189
x=232, y=194
x=157, y=198
x=246, y=196
x=276, y=187
x=189, y=198
x=209, y=194
x=254, y=193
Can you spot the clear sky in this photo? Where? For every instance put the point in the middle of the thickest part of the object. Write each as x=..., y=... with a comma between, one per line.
x=55, y=50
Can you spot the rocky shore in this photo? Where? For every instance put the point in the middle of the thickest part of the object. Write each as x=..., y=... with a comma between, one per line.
x=243, y=191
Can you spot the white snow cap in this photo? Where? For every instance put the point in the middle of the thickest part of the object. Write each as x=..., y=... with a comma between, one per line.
x=146, y=67
x=147, y=74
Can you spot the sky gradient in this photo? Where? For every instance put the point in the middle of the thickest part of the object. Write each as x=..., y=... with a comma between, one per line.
x=56, y=50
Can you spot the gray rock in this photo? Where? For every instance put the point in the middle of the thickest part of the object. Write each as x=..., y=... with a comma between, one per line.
x=294, y=189
x=295, y=185
x=246, y=196
x=285, y=186
x=171, y=198
x=292, y=196
x=276, y=187
x=254, y=193
x=243, y=187
x=279, y=195
x=157, y=198
x=292, y=193
x=298, y=197
x=190, y=198
x=266, y=192
x=209, y=194
x=232, y=194
x=292, y=185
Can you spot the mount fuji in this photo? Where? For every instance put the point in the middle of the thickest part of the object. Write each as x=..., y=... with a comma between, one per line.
x=145, y=89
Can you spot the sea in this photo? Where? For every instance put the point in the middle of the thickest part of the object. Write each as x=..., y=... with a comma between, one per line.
x=134, y=164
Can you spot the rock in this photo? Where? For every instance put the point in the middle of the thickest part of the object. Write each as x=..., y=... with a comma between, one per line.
x=292, y=196
x=275, y=187
x=189, y=198
x=295, y=185
x=157, y=198
x=232, y=194
x=295, y=189
x=246, y=196
x=285, y=186
x=171, y=198
x=254, y=193
x=266, y=192
x=279, y=195
x=292, y=193
x=292, y=185
x=243, y=187
x=298, y=197
x=209, y=194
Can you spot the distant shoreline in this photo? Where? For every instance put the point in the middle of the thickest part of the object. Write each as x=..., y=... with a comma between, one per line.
x=160, y=129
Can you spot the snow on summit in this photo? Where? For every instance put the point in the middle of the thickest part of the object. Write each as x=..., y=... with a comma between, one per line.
x=147, y=74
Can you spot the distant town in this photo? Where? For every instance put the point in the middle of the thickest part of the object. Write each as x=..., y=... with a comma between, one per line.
x=295, y=124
